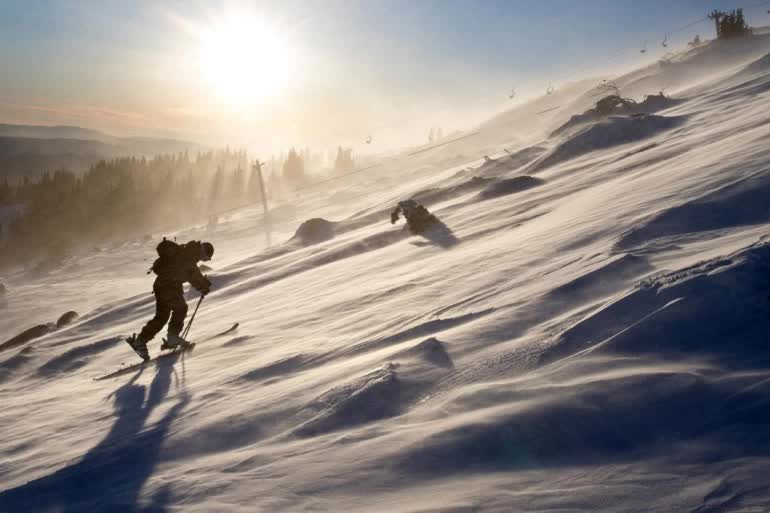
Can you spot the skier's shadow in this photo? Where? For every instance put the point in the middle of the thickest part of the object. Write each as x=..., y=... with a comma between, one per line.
x=111, y=475
x=439, y=235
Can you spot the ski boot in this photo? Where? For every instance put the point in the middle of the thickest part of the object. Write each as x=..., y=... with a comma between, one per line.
x=173, y=341
x=139, y=346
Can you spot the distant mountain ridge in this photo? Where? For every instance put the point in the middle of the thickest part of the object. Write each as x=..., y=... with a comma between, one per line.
x=53, y=132
x=29, y=150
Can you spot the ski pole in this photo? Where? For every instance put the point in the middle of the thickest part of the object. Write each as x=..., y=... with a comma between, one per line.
x=189, y=323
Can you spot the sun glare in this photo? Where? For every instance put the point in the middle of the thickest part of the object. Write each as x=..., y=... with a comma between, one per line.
x=245, y=62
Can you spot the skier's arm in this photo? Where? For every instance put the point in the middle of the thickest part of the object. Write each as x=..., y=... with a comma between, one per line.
x=200, y=282
x=394, y=215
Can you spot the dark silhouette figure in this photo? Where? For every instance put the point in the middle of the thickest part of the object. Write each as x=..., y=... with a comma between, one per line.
x=175, y=265
x=418, y=219
x=421, y=222
x=110, y=476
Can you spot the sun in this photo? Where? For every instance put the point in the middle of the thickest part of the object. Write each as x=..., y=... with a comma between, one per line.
x=245, y=62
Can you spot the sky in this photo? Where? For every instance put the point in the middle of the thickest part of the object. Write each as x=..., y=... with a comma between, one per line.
x=316, y=73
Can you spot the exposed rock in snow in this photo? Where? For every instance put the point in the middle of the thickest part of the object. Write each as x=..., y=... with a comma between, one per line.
x=314, y=231
x=67, y=318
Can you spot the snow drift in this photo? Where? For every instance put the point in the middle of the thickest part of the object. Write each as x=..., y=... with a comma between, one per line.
x=614, y=131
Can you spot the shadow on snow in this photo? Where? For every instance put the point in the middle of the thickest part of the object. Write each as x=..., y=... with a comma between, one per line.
x=110, y=476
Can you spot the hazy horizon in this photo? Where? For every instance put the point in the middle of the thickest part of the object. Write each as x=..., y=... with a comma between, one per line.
x=322, y=74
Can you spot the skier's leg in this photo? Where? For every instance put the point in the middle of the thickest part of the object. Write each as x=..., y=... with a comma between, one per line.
x=162, y=313
x=178, y=312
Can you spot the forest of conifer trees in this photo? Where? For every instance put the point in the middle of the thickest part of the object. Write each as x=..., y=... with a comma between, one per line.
x=61, y=212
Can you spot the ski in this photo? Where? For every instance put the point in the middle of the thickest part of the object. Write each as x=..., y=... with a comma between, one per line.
x=130, y=368
x=227, y=331
x=189, y=347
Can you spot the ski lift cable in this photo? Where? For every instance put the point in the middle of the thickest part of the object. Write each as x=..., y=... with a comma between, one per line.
x=390, y=200
x=759, y=4
x=338, y=177
x=443, y=143
x=691, y=24
x=309, y=186
x=548, y=110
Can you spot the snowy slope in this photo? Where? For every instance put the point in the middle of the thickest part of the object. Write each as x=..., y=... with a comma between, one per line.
x=591, y=338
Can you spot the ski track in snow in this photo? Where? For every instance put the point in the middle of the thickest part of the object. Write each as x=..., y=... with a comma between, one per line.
x=587, y=331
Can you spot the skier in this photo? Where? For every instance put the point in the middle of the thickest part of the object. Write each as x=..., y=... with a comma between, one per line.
x=174, y=266
x=418, y=219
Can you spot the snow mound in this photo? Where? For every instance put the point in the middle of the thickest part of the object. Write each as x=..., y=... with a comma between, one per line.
x=281, y=367
x=602, y=280
x=681, y=363
x=525, y=156
x=376, y=395
x=715, y=311
x=510, y=186
x=652, y=103
x=613, y=131
x=75, y=358
x=434, y=195
x=761, y=65
x=603, y=421
x=27, y=335
x=66, y=319
x=314, y=231
x=10, y=366
x=740, y=204
x=431, y=350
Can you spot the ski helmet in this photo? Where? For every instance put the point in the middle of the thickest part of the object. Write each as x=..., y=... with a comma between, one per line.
x=208, y=250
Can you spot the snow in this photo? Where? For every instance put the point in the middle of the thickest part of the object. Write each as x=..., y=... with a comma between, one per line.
x=591, y=338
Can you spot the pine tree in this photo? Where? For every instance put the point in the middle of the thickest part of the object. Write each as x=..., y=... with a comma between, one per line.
x=343, y=163
x=740, y=23
x=236, y=187
x=217, y=189
x=294, y=168
x=6, y=194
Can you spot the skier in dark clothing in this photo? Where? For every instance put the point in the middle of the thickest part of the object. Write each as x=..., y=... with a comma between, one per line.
x=418, y=219
x=175, y=266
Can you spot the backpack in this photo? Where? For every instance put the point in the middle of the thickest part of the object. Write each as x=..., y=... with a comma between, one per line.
x=167, y=251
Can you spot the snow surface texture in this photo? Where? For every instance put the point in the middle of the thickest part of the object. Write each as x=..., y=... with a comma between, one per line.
x=592, y=338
